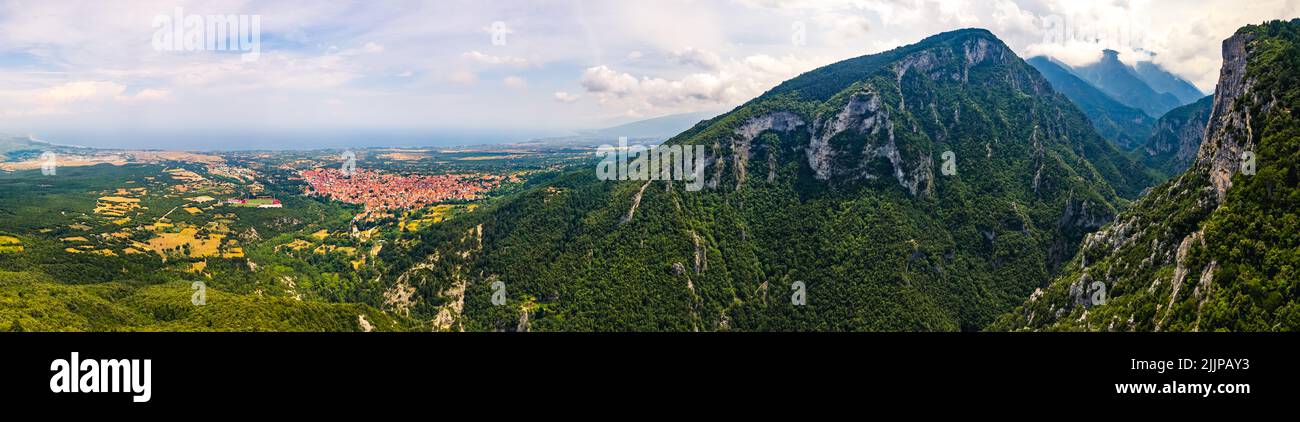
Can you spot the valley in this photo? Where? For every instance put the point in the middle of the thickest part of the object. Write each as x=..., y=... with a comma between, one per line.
x=946, y=185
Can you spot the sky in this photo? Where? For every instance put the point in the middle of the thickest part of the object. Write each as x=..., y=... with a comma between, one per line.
x=406, y=72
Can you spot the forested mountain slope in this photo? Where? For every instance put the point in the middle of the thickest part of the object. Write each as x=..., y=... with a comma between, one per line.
x=34, y=301
x=831, y=184
x=1214, y=249
x=1177, y=136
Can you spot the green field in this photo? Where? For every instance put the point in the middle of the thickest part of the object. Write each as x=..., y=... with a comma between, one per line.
x=254, y=203
x=44, y=287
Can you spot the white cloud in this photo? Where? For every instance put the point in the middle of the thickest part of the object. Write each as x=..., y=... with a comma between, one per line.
x=90, y=64
x=603, y=80
x=566, y=97
x=699, y=58
x=74, y=97
x=732, y=83
x=844, y=28
x=82, y=91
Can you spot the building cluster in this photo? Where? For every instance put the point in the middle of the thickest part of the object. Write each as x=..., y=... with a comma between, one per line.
x=383, y=191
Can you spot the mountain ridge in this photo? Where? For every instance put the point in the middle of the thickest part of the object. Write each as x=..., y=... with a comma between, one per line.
x=833, y=181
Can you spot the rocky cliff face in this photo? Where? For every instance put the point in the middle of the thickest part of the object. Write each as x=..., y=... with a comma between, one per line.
x=870, y=130
x=1229, y=132
x=1177, y=137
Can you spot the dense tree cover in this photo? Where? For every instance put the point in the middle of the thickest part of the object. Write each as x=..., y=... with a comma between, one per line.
x=31, y=301
x=1181, y=125
x=45, y=288
x=1032, y=178
x=1180, y=259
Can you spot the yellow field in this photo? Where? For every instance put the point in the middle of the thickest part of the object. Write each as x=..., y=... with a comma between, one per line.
x=296, y=245
x=119, y=199
x=10, y=244
x=404, y=156
x=174, y=243
x=117, y=206
x=233, y=253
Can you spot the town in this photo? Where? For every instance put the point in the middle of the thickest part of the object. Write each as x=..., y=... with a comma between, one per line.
x=383, y=191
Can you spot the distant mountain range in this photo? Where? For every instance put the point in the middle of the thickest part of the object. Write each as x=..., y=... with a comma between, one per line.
x=1127, y=126
x=1140, y=107
x=1165, y=82
x=642, y=132
x=659, y=127
x=1123, y=83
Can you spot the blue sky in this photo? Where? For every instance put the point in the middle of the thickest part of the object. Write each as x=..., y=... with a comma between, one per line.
x=90, y=72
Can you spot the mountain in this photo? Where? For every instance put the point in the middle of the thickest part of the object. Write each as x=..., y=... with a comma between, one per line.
x=1161, y=80
x=1122, y=83
x=930, y=187
x=1213, y=249
x=1177, y=136
x=663, y=127
x=642, y=132
x=1126, y=126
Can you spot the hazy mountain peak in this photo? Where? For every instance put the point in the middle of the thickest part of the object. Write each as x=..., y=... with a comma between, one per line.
x=1124, y=84
x=1128, y=127
x=1163, y=81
